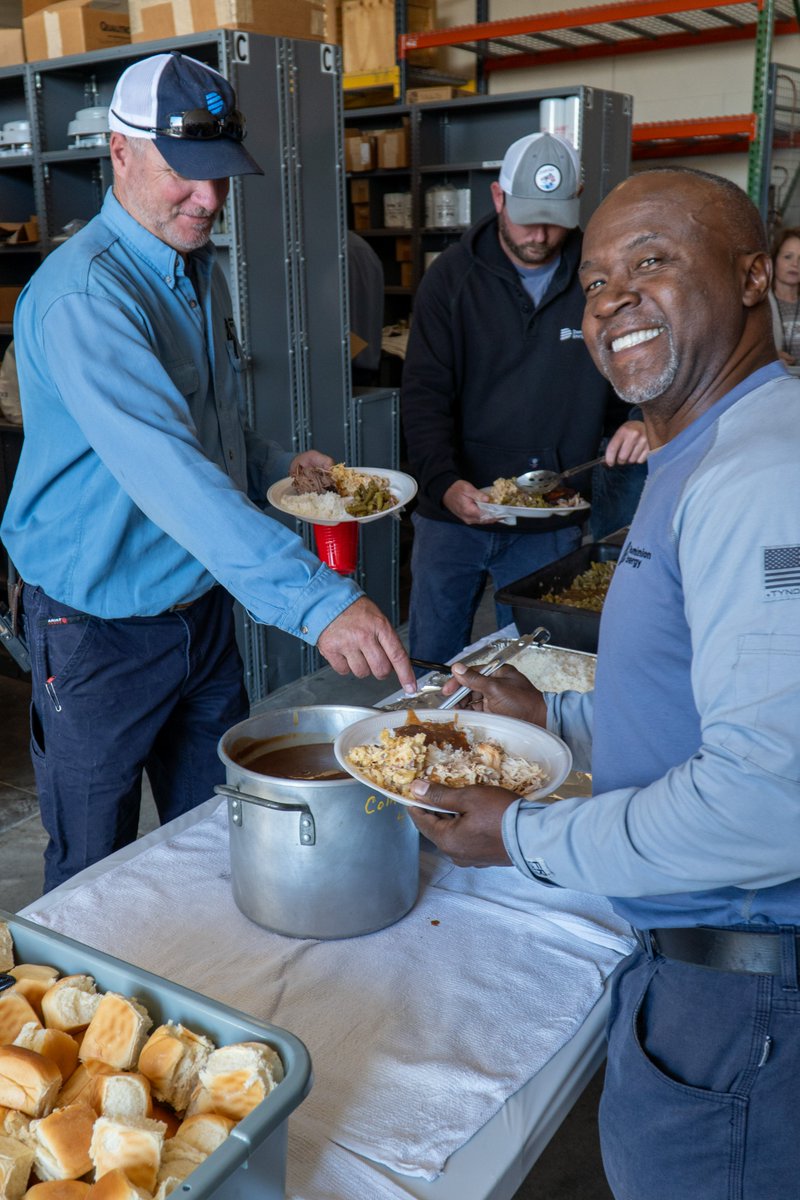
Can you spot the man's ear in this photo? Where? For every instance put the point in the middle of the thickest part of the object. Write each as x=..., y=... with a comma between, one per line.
x=758, y=278
x=498, y=196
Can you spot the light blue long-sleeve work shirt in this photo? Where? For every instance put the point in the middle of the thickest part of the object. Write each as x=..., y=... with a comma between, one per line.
x=136, y=483
x=693, y=731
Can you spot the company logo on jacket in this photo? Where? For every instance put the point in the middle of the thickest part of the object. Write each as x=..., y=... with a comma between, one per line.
x=567, y=334
x=781, y=572
x=634, y=556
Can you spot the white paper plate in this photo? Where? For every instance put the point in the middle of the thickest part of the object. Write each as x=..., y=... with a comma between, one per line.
x=516, y=737
x=400, y=485
x=520, y=510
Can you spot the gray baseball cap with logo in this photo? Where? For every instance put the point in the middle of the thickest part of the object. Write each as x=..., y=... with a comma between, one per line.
x=541, y=178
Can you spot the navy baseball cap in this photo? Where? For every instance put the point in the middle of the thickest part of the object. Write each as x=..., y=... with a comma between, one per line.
x=188, y=110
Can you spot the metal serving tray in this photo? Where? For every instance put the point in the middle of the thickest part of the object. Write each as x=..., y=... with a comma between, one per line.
x=573, y=628
x=251, y=1163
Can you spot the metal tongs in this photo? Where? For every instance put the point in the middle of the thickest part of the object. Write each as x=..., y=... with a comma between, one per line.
x=544, y=481
x=460, y=693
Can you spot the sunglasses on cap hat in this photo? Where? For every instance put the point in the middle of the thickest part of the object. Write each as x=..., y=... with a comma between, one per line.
x=197, y=124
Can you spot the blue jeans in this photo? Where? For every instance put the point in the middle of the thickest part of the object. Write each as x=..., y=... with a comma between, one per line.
x=449, y=568
x=113, y=698
x=702, y=1090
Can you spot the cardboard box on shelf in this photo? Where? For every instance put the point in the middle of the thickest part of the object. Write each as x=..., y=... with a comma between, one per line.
x=361, y=217
x=406, y=274
x=392, y=148
x=368, y=34
x=359, y=191
x=74, y=27
x=152, y=20
x=423, y=95
x=12, y=47
x=31, y=6
x=17, y=233
x=8, y=299
x=359, y=151
x=402, y=249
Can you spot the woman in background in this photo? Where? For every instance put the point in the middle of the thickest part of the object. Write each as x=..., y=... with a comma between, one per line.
x=785, y=298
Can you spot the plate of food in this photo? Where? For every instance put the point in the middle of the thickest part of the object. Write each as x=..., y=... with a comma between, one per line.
x=342, y=494
x=457, y=748
x=509, y=500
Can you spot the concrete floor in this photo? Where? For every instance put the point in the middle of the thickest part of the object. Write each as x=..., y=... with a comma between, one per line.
x=569, y=1169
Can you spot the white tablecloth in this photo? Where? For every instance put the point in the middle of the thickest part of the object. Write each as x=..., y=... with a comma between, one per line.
x=418, y=1033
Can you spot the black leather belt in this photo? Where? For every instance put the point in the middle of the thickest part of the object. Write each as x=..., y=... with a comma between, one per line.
x=754, y=953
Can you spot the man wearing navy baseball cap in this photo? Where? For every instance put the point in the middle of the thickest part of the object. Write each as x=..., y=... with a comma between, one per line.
x=497, y=381
x=140, y=487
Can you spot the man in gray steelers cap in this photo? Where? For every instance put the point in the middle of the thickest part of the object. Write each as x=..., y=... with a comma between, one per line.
x=140, y=487
x=497, y=380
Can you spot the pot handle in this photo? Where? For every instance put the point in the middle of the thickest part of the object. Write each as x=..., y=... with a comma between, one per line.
x=308, y=833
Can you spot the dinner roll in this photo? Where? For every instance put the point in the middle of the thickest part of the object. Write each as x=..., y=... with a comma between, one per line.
x=28, y=1081
x=15, y=1011
x=14, y=1123
x=61, y=1142
x=6, y=947
x=54, y=1044
x=240, y=1076
x=200, y=1101
x=58, y=1189
x=80, y=1085
x=33, y=980
x=115, y=1185
x=122, y=1095
x=132, y=1146
x=70, y=1003
x=171, y=1059
x=205, y=1131
x=116, y=1032
x=16, y=1161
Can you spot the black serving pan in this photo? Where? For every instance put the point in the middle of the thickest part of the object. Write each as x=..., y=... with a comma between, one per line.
x=573, y=628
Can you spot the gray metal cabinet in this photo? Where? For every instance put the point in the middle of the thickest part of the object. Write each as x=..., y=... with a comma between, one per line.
x=460, y=144
x=281, y=240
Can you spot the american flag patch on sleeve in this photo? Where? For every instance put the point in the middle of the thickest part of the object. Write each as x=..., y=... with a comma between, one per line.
x=781, y=572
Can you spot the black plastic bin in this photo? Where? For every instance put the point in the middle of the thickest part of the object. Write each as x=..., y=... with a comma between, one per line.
x=573, y=628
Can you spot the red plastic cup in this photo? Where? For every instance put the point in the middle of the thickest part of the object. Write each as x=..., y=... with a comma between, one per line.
x=337, y=545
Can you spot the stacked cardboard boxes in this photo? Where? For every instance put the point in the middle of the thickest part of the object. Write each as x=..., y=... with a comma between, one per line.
x=74, y=27
x=155, y=19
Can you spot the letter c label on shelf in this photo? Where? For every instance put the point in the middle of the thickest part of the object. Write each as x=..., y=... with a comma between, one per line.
x=327, y=60
x=241, y=47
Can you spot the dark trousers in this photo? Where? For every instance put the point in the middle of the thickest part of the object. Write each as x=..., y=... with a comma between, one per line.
x=702, y=1090
x=112, y=698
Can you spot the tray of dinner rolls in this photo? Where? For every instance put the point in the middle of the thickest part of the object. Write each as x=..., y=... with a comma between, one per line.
x=116, y=1084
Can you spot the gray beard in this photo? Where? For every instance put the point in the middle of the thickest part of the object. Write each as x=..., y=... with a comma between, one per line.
x=645, y=392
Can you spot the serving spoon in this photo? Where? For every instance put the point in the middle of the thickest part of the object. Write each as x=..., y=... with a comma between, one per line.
x=544, y=481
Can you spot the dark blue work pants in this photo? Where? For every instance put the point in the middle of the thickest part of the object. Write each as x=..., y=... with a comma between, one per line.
x=702, y=1092
x=450, y=565
x=112, y=698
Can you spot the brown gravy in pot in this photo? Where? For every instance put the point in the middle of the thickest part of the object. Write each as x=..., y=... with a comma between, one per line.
x=309, y=760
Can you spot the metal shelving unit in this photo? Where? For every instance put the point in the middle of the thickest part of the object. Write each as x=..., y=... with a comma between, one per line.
x=462, y=143
x=282, y=247
x=638, y=27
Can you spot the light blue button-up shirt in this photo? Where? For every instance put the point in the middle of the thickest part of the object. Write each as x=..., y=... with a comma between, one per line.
x=131, y=493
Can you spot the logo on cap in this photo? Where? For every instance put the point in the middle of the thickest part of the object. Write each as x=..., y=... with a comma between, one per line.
x=547, y=178
x=214, y=103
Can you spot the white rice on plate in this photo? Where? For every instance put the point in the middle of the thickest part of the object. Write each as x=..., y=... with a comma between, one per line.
x=328, y=505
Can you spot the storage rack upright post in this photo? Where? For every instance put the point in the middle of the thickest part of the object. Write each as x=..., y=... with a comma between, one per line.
x=282, y=243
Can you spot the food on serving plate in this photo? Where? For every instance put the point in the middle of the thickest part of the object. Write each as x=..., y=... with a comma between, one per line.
x=102, y=1122
x=337, y=493
x=506, y=491
x=33, y=980
x=444, y=753
x=587, y=590
x=14, y=1013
